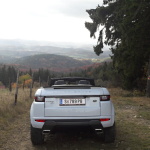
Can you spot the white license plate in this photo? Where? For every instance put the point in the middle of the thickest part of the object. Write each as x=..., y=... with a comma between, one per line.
x=75, y=101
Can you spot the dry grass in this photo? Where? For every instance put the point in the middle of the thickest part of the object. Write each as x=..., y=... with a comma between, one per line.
x=8, y=111
x=132, y=124
x=132, y=118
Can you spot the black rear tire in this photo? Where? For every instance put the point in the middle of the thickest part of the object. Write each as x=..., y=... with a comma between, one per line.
x=37, y=137
x=109, y=134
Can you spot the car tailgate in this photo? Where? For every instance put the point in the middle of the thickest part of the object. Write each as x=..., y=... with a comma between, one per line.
x=72, y=102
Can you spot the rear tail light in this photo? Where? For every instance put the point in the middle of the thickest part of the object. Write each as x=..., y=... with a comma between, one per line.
x=39, y=120
x=104, y=119
x=105, y=97
x=39, y=98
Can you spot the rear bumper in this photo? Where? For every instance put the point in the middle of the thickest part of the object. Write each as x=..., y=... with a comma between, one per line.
x=69, y=121
x=50, y=124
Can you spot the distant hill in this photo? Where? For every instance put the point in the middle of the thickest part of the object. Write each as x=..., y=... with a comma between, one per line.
x=51, y=61
x=20, y=48
x=6, y=59
x=21, y=51
x=39, y=54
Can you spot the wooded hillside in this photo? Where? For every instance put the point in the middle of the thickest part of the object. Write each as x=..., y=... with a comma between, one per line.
x=51, y=61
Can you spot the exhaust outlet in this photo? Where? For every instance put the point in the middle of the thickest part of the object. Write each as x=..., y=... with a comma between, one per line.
x=98, y=131
x=46, y=131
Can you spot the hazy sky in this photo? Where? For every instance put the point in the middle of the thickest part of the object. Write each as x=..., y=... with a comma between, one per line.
x=51, y=20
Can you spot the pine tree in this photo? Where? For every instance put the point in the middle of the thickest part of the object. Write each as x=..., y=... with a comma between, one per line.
x=124, y=26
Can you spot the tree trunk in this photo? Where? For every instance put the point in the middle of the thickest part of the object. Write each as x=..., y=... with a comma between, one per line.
x=148, y=81
x=16, y=93
x=23, y=84
x=48, y=80
x=10, y=88
x=31, y=86
x=40, y=81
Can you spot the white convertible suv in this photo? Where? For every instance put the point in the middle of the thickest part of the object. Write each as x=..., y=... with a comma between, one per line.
x=72, y=101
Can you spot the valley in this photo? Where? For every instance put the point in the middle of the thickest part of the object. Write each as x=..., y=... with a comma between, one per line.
x=30, y=54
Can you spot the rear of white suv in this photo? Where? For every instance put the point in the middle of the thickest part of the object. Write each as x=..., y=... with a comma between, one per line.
x=72, y=105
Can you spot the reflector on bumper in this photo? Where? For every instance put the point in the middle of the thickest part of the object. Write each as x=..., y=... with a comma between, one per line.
x=39, y=120
x=105, y=119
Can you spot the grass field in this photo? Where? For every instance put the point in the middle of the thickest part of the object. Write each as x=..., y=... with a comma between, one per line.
x=132, y=119
x=8, y=110
x=132, y=124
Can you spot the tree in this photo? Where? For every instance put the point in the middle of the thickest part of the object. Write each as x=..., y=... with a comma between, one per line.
x=23, y=78
x=124, y=26
x=7, y=75
x=148, y=81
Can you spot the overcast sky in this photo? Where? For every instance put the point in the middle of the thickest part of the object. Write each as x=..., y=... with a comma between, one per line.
x=50, y=20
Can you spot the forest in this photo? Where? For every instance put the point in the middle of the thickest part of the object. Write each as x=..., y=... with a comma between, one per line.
x=8, y=76
x=124, y=26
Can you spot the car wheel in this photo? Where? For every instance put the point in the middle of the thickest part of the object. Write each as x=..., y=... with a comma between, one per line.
x=36, y=136
x=109, y=134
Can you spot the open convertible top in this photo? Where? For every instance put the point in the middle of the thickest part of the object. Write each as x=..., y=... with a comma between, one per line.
x=72, y=80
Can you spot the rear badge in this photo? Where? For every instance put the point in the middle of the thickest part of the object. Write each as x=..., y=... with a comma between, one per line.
x=94, y=100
